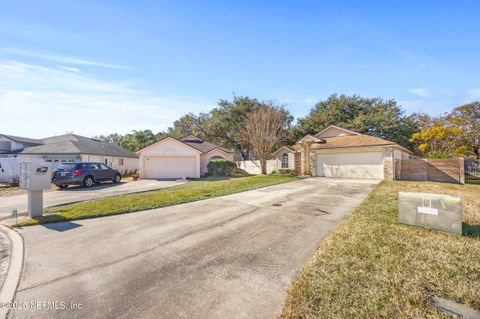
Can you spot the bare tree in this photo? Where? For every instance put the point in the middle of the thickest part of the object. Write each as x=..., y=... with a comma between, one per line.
x=265, y=128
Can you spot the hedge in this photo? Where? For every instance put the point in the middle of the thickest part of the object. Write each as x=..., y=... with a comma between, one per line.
x=221, y=167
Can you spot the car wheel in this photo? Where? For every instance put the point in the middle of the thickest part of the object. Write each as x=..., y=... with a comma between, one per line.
x=117, y=179
x=88, y=182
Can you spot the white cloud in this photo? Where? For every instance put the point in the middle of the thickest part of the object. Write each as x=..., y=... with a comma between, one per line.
x=61, y=58
x=422, y=92
x=69, y=68
x=38, y=101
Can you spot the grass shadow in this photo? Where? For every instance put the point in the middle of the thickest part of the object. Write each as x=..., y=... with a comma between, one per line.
x=471, y=230
x=472, y=181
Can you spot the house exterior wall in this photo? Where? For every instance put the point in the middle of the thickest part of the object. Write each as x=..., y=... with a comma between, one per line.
x=129, y=164
x=205, y=159
x=332, y=132
x=291, y=158
x=168, y=147
x=12, y=145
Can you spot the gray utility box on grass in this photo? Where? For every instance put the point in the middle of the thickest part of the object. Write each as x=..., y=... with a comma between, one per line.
x=435, y=211
x=35, y=177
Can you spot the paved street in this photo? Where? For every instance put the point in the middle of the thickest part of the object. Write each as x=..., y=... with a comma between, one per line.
x=228, y=257
x=75, y=194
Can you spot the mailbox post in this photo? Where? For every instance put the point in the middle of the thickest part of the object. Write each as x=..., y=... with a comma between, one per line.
x=35, y=177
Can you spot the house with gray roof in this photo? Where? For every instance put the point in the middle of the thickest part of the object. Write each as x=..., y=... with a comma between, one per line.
x=69, y=148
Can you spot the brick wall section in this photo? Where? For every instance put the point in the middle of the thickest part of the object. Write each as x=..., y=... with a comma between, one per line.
x=388, y=164
x=298, y=164
x=435, y=170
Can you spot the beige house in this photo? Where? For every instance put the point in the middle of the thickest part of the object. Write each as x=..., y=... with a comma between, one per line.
x=172, y=158
x=338, y=152
x=69, y=148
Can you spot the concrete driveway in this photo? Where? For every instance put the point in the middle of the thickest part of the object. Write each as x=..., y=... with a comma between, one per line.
x=228, y=257
x=76, y=194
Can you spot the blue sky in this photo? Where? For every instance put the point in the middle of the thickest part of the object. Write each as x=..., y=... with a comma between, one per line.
x=95, y=67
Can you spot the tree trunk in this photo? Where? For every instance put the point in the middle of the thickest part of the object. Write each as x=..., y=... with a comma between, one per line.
x=263, y=165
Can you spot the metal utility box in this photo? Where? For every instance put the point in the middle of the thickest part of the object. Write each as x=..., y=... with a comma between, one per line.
x=434, y=211
x=35, y=176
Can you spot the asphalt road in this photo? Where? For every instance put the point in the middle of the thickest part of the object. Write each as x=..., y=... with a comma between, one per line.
x=228, y=257
x=76, y=194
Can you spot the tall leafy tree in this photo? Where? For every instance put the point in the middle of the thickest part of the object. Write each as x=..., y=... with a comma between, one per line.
x=467, y=117
x=373, y=116
x=111, y=138
x=139, y=139
x=437, y=137
x=222, y=125
x=265, y=128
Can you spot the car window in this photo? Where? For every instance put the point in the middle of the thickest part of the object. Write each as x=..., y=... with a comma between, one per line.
x=104, y=167
x=93, y=166
x=66, y=166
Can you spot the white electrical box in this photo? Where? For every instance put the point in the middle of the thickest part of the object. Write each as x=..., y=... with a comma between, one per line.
x=35, y=176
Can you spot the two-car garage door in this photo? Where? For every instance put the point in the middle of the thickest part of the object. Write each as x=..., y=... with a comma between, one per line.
x=157, y=167
x=367, y=165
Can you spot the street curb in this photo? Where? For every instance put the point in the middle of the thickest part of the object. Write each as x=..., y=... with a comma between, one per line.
x=9, y=287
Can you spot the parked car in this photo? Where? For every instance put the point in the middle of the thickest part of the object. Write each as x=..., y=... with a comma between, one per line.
x=84, y=174
x=10, y=168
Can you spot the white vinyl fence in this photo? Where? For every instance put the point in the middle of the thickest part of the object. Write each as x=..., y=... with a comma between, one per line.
x=253, y=167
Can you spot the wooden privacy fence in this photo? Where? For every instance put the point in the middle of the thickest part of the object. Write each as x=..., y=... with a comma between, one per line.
x=435, y=170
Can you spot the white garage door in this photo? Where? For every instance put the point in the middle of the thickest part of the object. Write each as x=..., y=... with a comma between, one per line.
x=158, y=167
x=351, y=165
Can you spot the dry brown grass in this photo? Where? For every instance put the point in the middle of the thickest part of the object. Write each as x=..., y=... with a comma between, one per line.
x=372, y=267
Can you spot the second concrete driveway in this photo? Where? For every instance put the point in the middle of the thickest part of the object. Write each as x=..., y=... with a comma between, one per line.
x=228, y=257
x=76, y=194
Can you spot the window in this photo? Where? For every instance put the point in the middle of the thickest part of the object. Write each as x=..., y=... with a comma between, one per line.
x=94, y=166
x=104, y=167
x=120, y=162
x=285, y=160
x=215, y=157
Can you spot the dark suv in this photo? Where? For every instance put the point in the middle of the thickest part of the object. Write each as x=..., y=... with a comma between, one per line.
x=84, y=174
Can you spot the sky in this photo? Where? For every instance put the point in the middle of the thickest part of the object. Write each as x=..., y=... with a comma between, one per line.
x=99, y=67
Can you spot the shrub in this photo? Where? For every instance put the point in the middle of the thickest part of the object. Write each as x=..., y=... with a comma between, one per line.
x=439, y=155
x=221, y=167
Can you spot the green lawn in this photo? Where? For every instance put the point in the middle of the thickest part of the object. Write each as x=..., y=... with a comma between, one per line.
x=372, y=267
x=188, y=192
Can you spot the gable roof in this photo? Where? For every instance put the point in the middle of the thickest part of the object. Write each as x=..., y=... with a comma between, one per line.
x=336, y=127
x=353, y=139
x=359, y=140
x=201, y=145
x=288, y=148
x=20, y=139
x=162, y=140
x=76, y=144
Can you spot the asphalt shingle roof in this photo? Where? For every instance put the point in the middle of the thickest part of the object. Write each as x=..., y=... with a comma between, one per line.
x=20, y=139
x=201, y=145
x=76, y=144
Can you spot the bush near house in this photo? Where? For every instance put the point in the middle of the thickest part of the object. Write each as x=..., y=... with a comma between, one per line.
x=221, y=167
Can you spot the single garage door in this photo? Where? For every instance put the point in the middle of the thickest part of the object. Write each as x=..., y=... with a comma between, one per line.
x=157, y=167
x=350, y=165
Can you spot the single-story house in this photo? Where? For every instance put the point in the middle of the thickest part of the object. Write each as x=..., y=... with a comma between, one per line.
x=338, y=152
x=172, y=158
x=69, y=148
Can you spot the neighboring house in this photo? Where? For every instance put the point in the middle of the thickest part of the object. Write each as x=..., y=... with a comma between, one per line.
x=172, y=158
x=69, y=148
x=338, y=152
